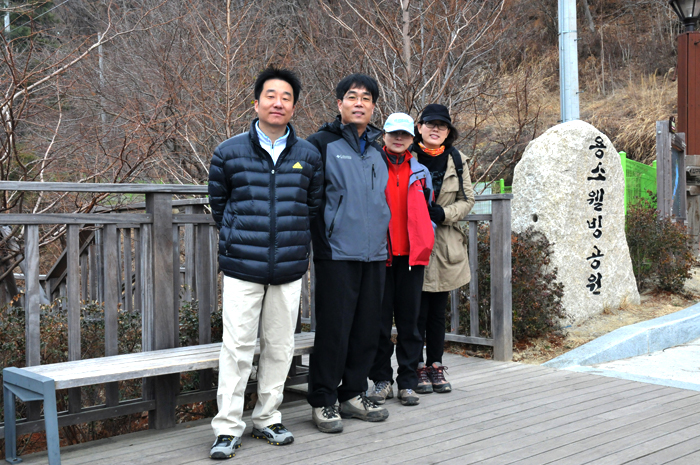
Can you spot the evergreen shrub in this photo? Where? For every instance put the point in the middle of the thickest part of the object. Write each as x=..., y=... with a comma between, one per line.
x=660, y=249
x=537, y=307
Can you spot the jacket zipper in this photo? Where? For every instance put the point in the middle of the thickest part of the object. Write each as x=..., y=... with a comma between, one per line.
x=374, y=175
x=330, y=229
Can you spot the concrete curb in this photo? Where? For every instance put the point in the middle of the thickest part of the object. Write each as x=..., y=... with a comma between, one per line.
x=638, y=339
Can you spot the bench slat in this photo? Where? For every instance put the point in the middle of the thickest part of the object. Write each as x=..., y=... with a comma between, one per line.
x=144, y=364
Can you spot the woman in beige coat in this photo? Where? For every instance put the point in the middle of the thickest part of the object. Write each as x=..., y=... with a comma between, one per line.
x=449, y=265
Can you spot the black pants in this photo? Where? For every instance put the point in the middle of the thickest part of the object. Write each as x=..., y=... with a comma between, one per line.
x=348, y=310
x=431, y=325
x=402, y=295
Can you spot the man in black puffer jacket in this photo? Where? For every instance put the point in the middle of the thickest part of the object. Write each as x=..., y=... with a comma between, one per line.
x=265, y=186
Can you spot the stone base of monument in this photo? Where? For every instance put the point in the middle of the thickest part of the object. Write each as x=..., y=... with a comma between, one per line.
x=569, y=186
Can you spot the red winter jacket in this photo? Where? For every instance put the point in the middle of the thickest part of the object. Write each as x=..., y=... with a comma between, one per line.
x=421, y=235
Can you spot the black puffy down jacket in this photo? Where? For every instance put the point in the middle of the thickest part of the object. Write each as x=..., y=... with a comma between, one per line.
x=263, y=210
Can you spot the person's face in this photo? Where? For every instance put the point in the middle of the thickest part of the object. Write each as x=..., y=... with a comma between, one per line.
x=275, y=106
x=356, y=107
x=397, y=141
x=434, y=133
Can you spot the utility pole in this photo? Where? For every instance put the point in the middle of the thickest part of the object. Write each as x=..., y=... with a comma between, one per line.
x=103, y=115
x=568, y=61
x=7, y=19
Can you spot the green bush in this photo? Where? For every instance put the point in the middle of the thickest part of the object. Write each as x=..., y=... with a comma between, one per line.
x=660, y=249
x=537, y=307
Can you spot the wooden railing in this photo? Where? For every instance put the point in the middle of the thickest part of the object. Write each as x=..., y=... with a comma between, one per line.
x=134, y=260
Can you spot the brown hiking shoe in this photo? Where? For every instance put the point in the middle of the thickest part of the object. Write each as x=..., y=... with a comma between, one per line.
x=436, y=372
x=425, y=385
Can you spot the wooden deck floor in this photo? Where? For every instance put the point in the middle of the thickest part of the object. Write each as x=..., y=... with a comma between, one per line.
x=498, y=413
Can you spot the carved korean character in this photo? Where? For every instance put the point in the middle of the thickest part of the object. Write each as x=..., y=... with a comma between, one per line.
x=596, y=224
x=598, y=145
x=599, y=171
x=595, y=198
x=595, y=264
x=595, y=283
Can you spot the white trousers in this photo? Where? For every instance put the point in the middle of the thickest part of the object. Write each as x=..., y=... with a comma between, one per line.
x=244, y=305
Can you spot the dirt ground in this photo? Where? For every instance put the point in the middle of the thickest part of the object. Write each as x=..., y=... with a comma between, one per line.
x=653, y=305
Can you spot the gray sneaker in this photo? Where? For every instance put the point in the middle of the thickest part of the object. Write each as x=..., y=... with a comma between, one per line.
x=224, y=447
x=362, y=408
x=327, y=419
x=408, y=397
x=381, y=391
x=276, y=434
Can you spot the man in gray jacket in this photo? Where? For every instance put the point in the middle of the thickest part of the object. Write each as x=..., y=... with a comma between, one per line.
x=349, y=237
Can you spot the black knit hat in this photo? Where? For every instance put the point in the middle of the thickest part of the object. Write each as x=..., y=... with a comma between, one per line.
x=435, y=112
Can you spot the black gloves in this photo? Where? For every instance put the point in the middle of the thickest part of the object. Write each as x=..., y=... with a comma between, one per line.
x=437, y=214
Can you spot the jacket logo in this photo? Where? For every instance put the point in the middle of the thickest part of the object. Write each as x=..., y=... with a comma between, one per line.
x=344, y=157
x=298, y=166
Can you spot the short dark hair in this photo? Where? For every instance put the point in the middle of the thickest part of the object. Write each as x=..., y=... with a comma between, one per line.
x=449, y=140
x=357, y=80
x=281, y=74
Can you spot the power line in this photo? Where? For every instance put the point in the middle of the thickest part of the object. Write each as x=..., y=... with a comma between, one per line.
x=37, y=17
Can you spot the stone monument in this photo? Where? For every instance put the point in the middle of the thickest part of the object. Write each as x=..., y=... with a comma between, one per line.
x=569, y=186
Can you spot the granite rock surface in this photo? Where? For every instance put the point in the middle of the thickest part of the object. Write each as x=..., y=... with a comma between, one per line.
x=569, y=186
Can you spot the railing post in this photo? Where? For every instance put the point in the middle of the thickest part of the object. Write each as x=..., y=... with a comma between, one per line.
x=73, y=279
x=203, y=280
x=165, y=388
x=501, y=292
x=32, y=302
x=110, y=264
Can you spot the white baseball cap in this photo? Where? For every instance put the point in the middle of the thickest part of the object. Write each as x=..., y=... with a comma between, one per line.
x=399, y=122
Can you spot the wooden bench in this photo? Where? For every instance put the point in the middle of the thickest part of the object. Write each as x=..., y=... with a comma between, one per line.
x=39, y=383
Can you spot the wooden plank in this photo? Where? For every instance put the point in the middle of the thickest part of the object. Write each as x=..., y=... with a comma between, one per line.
x=92, y=259
x=472, y=425
x=474, y=282
x=74, y=218
x=483, y=217
x=73, y=304
x=469, y=339
x=99, y=268
x=501, y=292
x=672, y=453
x=125, y=188
x=138, y=297
x=84, y=290
x=89, y=414
x=483, y=198
x=143, y=364
x=205, y=297
x=175, y=286
x=145, y=286
x=128, y=272
x=121, y=275
x=32, y=302
x=190, y=256
x=454, y=311
x=166, y=387
x=111, y=288
x=32, y=297
x=193, y=219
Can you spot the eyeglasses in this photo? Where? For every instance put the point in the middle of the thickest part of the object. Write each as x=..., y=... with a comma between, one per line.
x=436, y=124
x=352, y=98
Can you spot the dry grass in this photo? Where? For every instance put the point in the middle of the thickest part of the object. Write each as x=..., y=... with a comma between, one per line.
x=629, y=115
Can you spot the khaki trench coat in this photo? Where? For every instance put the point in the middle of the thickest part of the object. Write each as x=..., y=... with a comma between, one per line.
x=449, y=263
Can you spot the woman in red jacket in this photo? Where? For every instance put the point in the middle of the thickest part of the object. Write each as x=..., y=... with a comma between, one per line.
x=411, y=239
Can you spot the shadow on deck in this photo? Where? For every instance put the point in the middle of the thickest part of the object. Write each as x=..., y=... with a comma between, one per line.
x=498, y=413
